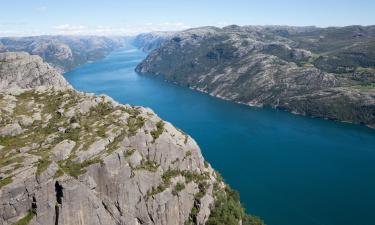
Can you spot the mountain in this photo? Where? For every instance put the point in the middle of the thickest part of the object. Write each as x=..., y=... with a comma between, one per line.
x=320, y=72
x=63, y=52
x=21, y=70
x=150, y=41
x=70, y=158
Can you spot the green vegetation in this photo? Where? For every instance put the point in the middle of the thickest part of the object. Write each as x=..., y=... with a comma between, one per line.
x=229, y=211
x=169, y=174
x=77, y=169
x=147, y=165
x=179, y=187
x=365, y=87
x=369, y=70
x=103, y=109
x=15, y=160
x=159, y=130
x=71, y=134
x=135, y=123
x=101, y=132
x=5, y=181
x=26, y=219
x=156, y=190
x=42, y=165
x=129, y=153
x=58, y=173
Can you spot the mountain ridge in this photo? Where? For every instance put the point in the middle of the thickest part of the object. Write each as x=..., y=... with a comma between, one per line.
x=309, y=71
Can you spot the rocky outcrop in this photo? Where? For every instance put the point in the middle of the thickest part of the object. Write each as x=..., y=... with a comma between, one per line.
x=309, y=70
x=63, y=52
x=69, y=158
x=21, y=70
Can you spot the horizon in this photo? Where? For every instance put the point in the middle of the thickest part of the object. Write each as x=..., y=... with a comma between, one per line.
x=113, y=18
x=155, y=31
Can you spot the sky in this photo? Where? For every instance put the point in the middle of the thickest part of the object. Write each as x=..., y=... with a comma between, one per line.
x=129, y=17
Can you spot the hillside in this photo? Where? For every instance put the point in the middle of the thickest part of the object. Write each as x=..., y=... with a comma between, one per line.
x=70, y=158
x=320, y=72
x=63, y=52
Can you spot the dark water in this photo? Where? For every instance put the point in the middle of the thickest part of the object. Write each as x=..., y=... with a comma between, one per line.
x=290, y=170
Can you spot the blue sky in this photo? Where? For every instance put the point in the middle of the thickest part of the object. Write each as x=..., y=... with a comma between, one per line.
x=118, y=17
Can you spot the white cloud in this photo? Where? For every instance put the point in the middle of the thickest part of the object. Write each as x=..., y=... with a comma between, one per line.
x=79, y=29
x=68, y=29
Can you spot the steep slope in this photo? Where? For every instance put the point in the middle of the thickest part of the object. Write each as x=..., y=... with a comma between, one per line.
x=21, y=70
x=63, y=52
x=150, y=41
x=273, y=66
x=73, y=158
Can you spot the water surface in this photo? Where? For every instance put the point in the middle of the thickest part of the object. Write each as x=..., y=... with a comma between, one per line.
x=289, y=170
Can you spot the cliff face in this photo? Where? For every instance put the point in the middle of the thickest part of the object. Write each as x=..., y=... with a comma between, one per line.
x=63, y=52
x=150, y=41
x=21, y=70
x=73, y=158
x=310, y=71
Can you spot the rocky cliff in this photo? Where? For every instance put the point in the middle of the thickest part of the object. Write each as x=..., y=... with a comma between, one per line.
x=63, y=52
x=69, y=158
x=21, y=70
x=150, y=41
x=328, y=73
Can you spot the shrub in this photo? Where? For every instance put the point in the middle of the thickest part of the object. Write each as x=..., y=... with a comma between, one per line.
x=42, y=165
x=159, y=130
x=147, y=165
x=179, y=187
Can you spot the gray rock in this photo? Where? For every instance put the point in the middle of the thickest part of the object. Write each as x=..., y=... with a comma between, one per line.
x=62, y=150
x=11, y=130
x=21, y=70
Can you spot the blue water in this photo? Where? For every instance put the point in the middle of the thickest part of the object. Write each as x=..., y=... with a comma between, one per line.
x=289, y=170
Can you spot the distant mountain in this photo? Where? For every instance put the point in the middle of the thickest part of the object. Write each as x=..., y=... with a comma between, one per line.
x=321, y=72
x=63, y=52
x=150, y=41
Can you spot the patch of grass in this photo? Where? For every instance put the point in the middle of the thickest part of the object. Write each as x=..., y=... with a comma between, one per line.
x=113, y=146
x=129, y=153
x=147, y=165
x=42, y=165
x=77, y=169
x=365, y=87
x=72, y=134
x=159, y=130
x=58, y=173
x=6, y=161
x=365, y=70
x=169, y=174
x=194, y=176
x=156, y=190
x=101, y=132
x=135, y=123
x=179, y=187
x=5, y=181
x=103, y=109
x=26, y=219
